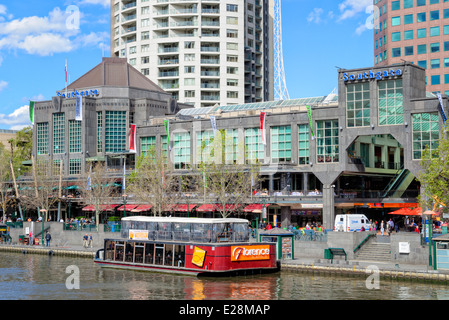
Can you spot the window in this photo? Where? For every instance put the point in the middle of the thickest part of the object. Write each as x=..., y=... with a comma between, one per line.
x=434, y=1
x=434, y=31
x=408, y=19
x=425, y=133
x=408, y=51
x=74, y=136
x=395, y=21
x=408, y=4
x=231, y=33
x=421, y=49
x=303, y=144
x=435, y=80
x=42, y=138
x=434, y=63
x=146, y=143
x=395, y=5
x=74, y=166
x=395, y=36
x=434, y=47
x=115, y=131
x=422, y=64
x=99, y=131
x=327, y=141
x=420, y=3
x=231, y=142
x=434, y=15
x=446, y=62
x=254, y=148
x=445, y=13
x=58, y=132
x=358, y=105
x=396, y=52
x=446, y=29
x=181, y=150
x=281, y=145
x=446, y=46
x=421, y=33
x=145, y=35
x=390, y=102
x=446, y=78
x=408, y=35
x=421, y=17
x=232, y=8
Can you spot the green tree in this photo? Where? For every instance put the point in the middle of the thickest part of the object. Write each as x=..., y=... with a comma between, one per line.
x=434, y=177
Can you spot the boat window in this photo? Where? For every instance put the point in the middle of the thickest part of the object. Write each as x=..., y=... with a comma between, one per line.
x=201, y=232
x=164, y=231
x=159, y=254
x=119, y=250
x=168, y=259
x=109, y=247
x=129, y=251
x=149, y=253
x=241, y=232
x=180, y=252
x=139, y=252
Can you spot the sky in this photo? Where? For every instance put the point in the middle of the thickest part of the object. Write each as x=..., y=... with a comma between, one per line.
x=38, y=38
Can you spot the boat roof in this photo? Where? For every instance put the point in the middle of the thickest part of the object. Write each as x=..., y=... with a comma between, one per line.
x=184, y=220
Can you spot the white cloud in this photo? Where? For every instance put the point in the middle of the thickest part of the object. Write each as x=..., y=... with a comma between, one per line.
x=2, y=9
x=3, y=85
x=20, y=118
x=349, y=8
x=47, y=35
x=315, y=15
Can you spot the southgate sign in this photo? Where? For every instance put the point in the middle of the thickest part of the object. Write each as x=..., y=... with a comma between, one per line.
x=76, y=93
x=372, y=75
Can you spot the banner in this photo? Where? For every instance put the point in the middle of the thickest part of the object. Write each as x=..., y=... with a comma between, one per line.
x=167, y=130
x=132, y=138
x=309, y=113
x=31, y=112
x=213, y=122
x=88, y=187
x=262, y=127
x=79, y=108
x=124, y=175
x=441, y=108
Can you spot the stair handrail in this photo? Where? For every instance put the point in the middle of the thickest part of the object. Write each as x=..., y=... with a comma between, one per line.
x=365, y=240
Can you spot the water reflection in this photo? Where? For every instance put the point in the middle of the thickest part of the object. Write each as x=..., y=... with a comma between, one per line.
x=38, y=277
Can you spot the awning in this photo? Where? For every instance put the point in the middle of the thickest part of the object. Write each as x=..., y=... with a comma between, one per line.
x=128, y=207
x=102, y=207
x=206, y=208
x=184, y=207
x=142, y=208
x=254, y=208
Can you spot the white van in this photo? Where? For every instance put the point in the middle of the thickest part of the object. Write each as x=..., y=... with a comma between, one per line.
x=351, y=222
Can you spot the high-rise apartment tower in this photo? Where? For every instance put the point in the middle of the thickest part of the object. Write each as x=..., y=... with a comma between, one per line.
x=204, y=52
x=416, y=31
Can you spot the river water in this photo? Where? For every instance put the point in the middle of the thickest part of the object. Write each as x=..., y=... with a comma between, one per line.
x=42, y=277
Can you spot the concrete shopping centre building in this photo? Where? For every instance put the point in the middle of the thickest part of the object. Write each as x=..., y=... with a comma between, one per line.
x=360, y=148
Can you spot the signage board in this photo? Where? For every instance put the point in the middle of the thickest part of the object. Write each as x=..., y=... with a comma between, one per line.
x=138, y=234
x=248, y=253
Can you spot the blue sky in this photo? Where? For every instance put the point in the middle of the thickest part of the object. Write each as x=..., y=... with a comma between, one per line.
x=38, y=37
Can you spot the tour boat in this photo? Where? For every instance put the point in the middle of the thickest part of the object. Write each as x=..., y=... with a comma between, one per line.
x=196, y=246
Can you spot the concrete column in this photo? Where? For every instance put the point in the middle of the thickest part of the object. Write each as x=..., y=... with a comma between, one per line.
x=271, y=184
x=286, y=215
x=305, y=182
x=328, y=206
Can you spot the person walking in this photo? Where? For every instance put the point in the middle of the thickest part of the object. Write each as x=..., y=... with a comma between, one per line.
x=382, y=229
x=48, y=238
x=85, y=239
x=90, y=241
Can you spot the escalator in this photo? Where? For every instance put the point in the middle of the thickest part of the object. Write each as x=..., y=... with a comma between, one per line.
x=398, y=185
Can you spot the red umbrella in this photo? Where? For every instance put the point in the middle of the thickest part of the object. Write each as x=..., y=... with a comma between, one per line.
x=416, y=212
x=402, y=212
x=433, y=213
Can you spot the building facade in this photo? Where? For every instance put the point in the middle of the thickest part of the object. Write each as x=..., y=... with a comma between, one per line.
x=204, y=52
x=416, y=31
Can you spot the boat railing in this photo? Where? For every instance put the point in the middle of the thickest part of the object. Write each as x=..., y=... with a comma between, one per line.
x=198, y=236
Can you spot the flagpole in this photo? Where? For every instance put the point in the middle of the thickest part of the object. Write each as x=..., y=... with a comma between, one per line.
x=66, y=78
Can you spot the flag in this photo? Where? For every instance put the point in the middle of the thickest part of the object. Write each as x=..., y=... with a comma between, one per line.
x=31, y=110
x=167, y=130
x=79, y=108
x=262, y=127
x=132, y=138
x=88, y=187
x=65, y=69
x=213, y=122
x=309, y=113
x=440, y=107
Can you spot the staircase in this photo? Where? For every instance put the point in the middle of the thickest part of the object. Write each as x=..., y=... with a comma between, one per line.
x=374, y=251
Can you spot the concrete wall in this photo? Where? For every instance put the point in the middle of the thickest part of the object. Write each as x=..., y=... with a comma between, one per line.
x=418, y=254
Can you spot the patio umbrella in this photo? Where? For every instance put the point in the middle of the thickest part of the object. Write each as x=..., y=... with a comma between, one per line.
x=402, y=212
x=430, y=212
x=416, y=212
